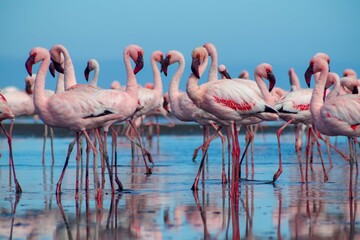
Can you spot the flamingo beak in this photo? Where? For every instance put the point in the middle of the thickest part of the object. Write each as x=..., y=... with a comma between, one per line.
x=139, y=64
x=226, y=74
x=272, y=80
x=165, y=64
x=58, y=67
x=29, y=63
x=86, y=72
x=355, y=90
x=28, y=88
x=308, y=74
x=195, y=67
x=52, y=69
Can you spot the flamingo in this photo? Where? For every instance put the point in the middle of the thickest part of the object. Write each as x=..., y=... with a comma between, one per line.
x=149, y=98
x=181, y=105
x=92, y=64
x=338, y=116
x=78, y=111
x=5, y=113
x=227, y=100
x=263, y=70
x=21, y=104
x=248, y=122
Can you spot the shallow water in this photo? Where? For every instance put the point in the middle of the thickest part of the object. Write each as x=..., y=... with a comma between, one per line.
x=162, y=206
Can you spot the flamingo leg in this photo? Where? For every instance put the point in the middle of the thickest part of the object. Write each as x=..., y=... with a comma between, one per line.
x=196, y=181
x=11, y=159
x=352, y=157
x=106, y=158
x=320, y=154
x=249, y=141
x=70, y=148
x=229, y=136
x=279, y=171
x=117, y=180
x=52, y=145
x=307, y=153
x=346, y=157
x=144, y=151
x=44, y=143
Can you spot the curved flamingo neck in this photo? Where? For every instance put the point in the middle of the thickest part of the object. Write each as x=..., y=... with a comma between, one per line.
x=317, y=96
x=95, y=78
x=60, y=84
x=335, y=81
x=40, y=99
x=192, y=87
x=158, y=87
x=294, y=80
x=69, y=72
x=175, y=81
x=214, y=64
x=268, y=97
x=131, y=85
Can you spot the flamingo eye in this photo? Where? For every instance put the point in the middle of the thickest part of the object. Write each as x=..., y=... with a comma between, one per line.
x=268, y=70
x=34, y=54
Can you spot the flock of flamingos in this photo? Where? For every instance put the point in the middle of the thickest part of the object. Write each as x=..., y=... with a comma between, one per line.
x=331, y=108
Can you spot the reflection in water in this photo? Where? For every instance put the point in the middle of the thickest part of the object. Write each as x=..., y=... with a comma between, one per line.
x=162, y=206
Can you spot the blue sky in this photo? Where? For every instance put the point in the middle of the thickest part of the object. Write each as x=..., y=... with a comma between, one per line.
x=283, y=33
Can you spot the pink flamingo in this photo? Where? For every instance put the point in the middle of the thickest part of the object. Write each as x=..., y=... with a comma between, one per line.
x=21, y=104
x=78, y=111
x=149, y=99
x=263, y=70
x=92, y=65
x=181, y=105
x=228, y=100
x=5, y=113
x=338, y=116
x=248, y=122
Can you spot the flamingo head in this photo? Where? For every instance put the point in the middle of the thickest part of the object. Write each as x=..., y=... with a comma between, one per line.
x=139, y=62
x=317, y=64
x=244, y=74
x=165, y=64
x=264, y=70
x=166, y=103
x=309, y=73
x=30, y=83
x=211, y=49
x=87, y=71
x=158, y=56
x=355, y=90
x=349, y=73
x=36, y=55
x=57, y=58
x=223, y=71
x=30, y=62
x=91, y=65
x=52, y=69
x=198, y=56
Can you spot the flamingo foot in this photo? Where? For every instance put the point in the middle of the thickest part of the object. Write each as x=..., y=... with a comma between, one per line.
x=148, y=171
x=326, y=178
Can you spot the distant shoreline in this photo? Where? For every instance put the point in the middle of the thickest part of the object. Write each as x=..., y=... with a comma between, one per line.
x=26, y=129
